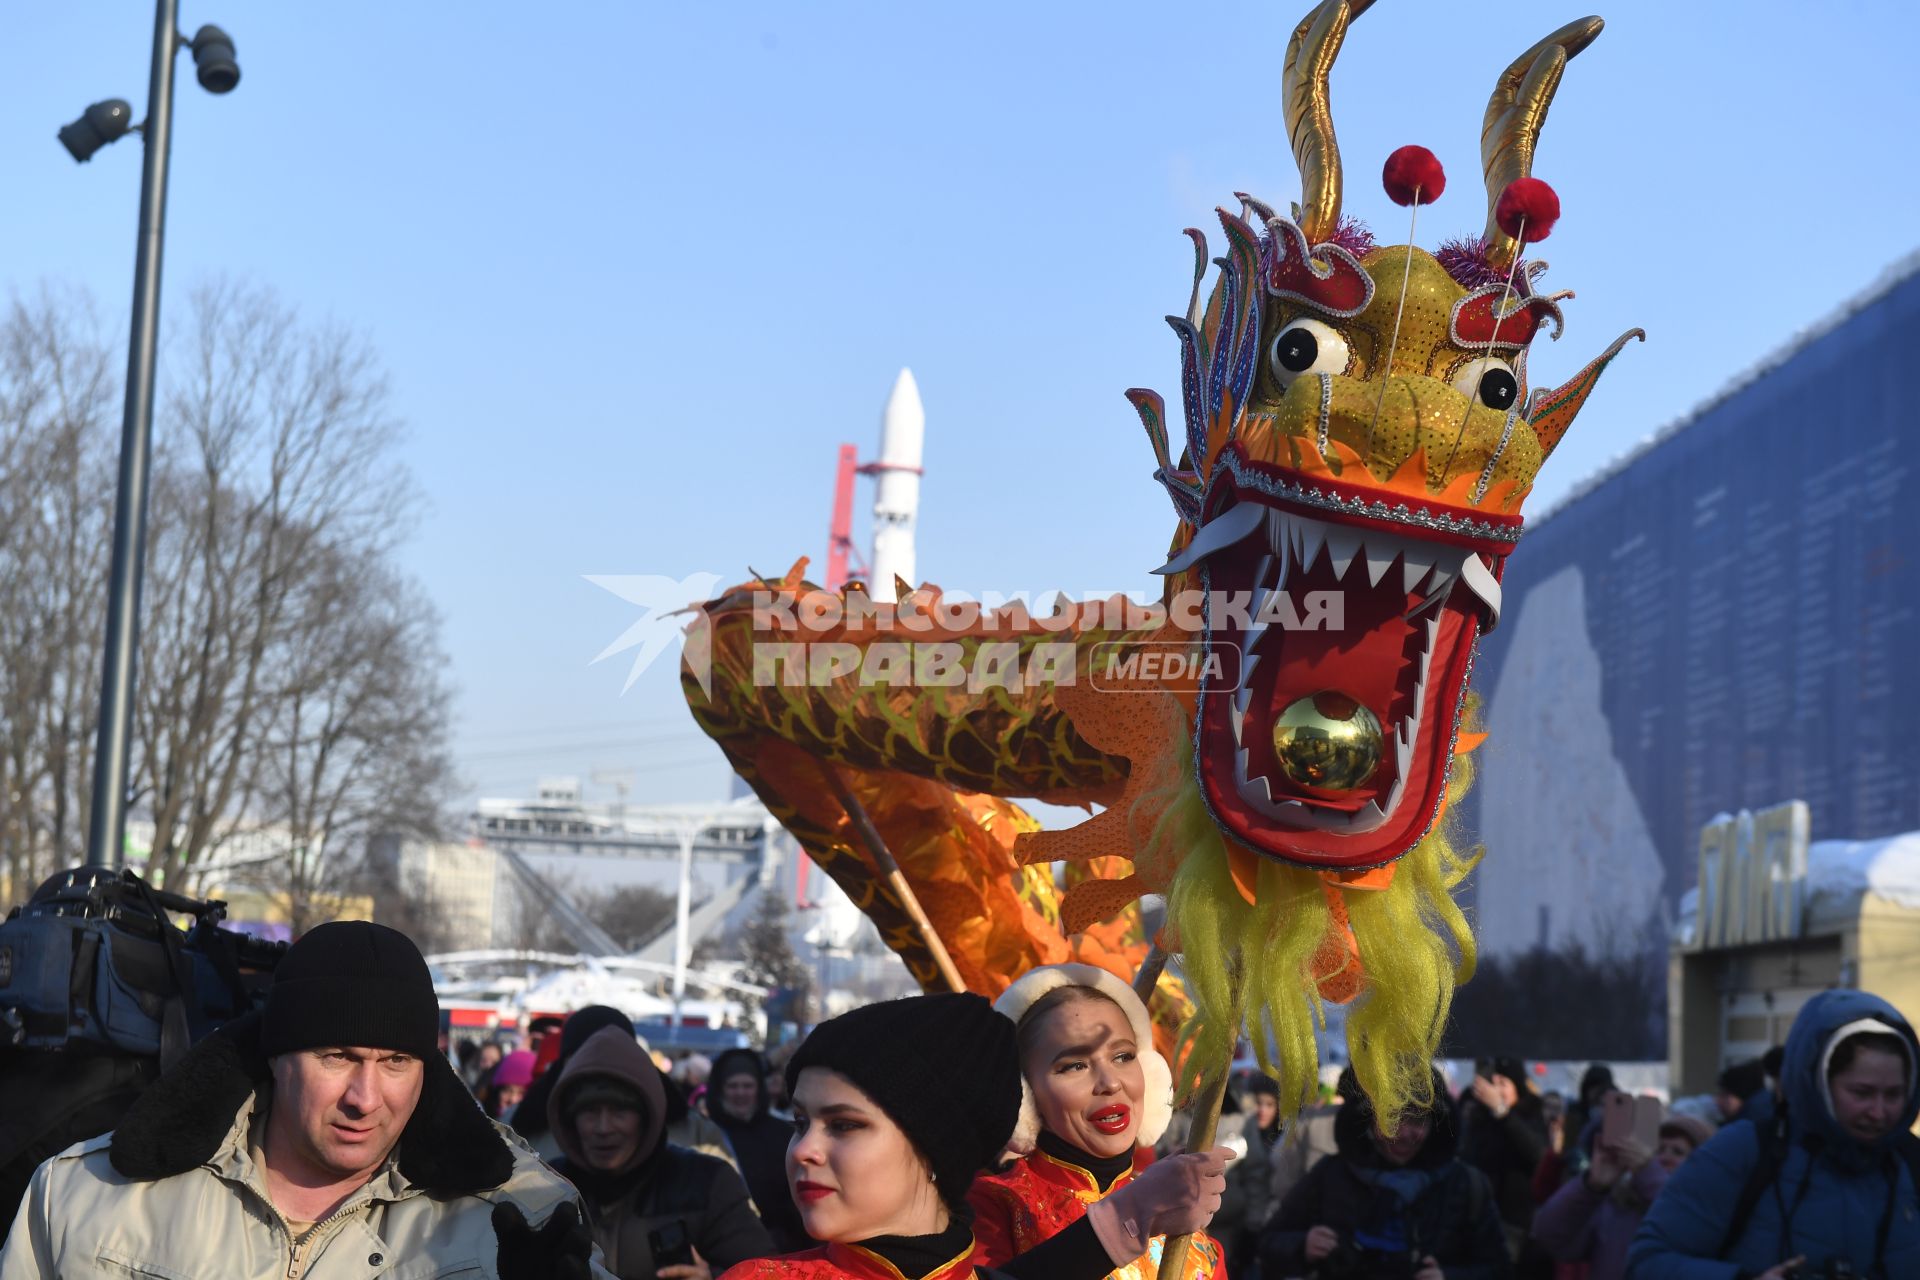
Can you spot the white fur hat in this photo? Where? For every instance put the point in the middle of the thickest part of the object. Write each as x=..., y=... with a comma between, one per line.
x=1156, y=1108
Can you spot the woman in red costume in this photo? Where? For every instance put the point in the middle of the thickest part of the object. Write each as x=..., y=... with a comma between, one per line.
x=1097, y=1096
x=896, y=1107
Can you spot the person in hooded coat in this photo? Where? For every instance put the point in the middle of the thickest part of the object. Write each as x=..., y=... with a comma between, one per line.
x=1391, y=1207
x=737, y=1102
x=608, y=1112
x=685, y=1127
x=1836, y=1160
x=531, y=1121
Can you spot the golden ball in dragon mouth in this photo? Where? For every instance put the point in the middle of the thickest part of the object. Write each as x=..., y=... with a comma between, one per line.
x=1327, y=743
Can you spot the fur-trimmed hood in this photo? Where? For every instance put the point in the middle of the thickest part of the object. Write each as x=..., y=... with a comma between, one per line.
x=1156, y=1106
x=449, y=1147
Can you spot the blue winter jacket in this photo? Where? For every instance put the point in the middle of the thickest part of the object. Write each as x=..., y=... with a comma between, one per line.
x=1847, y=1184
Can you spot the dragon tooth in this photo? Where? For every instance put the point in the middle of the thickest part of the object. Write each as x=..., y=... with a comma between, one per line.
x=1479, y=579
x=1418, y=563
x=1309, y=534
x=1264, y=611
x=1230, y=526
x=1379, y=560
x=1240, y=765
x=1342, y=546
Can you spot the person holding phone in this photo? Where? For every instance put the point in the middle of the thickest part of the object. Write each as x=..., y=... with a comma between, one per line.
x=1503, y=1133
x=657, y=1211
x=1593, y=1218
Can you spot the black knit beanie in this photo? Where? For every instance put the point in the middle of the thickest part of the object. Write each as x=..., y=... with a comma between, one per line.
x=943, y=1067
x=354, y=984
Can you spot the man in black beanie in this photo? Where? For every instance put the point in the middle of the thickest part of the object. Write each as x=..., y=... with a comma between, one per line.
x=323, y=1137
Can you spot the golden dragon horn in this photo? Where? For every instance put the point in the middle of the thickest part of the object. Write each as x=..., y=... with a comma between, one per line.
x=1515, y=113
x=1309, y=115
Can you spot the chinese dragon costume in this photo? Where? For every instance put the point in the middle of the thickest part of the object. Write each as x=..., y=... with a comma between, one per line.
x=1359, y=424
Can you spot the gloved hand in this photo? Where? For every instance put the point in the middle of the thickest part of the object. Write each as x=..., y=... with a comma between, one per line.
x=1168, y=1198
x=561, y=1250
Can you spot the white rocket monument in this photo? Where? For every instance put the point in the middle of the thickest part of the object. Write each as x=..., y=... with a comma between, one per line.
x=896, y=489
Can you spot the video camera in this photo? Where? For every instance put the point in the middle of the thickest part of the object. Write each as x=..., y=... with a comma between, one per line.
x=94, y=959
x=99, y=992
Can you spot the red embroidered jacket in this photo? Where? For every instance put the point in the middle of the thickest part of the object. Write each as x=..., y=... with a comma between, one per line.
x=843, y=1262
x=1042, y=1196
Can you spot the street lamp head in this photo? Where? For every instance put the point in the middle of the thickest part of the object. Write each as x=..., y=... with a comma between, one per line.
x=213, y=55
x=99, y=124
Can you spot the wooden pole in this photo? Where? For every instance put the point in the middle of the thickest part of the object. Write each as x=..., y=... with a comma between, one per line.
x=889, y=871
x=1206, y=1121
x=1147, y=980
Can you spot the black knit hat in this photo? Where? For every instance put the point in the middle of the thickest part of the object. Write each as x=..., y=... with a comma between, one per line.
x=1743, y=1079
x=352, y=983
x=943, y=1067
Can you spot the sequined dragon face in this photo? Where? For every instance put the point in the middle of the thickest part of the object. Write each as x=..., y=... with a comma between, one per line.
x=1361, y=433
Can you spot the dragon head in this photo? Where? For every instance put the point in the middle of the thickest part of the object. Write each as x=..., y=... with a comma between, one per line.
x=1360, y=434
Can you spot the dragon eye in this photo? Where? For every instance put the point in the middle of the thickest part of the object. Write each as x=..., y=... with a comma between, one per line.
x=1490, y=381
x=1307, y=346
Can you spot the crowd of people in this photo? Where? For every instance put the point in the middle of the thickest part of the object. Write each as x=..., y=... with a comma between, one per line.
x=945, y=1137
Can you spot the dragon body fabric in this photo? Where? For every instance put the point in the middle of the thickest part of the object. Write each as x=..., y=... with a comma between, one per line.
x=1359, y=432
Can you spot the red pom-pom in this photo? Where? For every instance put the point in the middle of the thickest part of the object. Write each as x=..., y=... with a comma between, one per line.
x=1533, y=200
x=1413, y=173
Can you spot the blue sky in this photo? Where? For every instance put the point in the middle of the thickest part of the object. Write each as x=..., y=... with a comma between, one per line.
x=636, y=270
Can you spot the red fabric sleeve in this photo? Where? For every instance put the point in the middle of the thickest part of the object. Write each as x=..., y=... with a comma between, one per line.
x=992, y=1208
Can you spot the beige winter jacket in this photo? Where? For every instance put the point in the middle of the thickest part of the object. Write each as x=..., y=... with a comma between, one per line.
x=175, y=1193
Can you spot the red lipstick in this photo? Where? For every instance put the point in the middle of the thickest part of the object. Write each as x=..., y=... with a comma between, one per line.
x=808, y=1192
x=1111, y=1120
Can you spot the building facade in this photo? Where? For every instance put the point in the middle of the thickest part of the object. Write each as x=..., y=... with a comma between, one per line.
x=1725, y=619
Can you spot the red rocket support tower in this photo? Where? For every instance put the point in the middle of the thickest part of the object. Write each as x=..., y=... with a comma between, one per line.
x=840, y=548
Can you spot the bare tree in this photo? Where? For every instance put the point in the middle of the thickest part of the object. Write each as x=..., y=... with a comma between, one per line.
x=633, y=915
x=767, y=956
x=277, y=476
x=56, y=485
x=406, y=899
x=289, y=685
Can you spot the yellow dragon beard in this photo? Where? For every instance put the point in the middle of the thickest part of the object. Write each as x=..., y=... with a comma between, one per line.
x=1412, y=941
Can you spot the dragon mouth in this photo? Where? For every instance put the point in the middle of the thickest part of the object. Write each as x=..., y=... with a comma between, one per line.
x=1344, y=649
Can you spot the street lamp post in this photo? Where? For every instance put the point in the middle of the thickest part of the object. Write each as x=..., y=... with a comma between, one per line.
x=103, y=123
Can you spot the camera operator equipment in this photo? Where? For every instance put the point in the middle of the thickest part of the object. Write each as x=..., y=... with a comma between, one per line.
x=99, y=992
